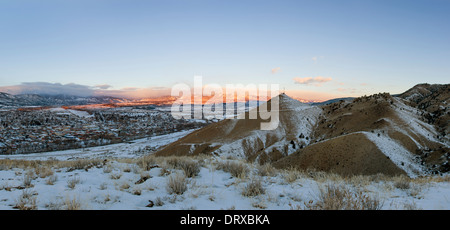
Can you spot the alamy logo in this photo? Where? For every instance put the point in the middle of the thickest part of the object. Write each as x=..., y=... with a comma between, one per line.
x=219, y=102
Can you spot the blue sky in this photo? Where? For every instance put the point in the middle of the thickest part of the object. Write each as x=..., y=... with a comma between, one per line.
x=360, y=47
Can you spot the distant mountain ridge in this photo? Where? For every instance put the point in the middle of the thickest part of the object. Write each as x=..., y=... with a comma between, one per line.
x=53, y=100
x=7, y=99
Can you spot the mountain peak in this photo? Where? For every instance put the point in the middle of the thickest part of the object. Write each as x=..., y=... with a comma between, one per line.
x=288, y=103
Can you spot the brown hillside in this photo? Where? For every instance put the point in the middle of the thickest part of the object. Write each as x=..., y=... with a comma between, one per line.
x=381, y=115
x=244, y=137
x=368, y=135
x=346, y=155
x=433, y=100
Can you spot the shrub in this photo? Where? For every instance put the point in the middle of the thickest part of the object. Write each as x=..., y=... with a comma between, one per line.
x=254, y=187
x=72, y=204
x=26, y=201
x=147, y=162
x=401, y=184
x=51, y=180
x=334, y=197
x=190, y=168
x=176, y=184
x=290, y=175
x=236, y=169
x=44, y=172
x=27, y=179
x=158, y=201
x=71, y=183
x=115, y=175
x=265, y=170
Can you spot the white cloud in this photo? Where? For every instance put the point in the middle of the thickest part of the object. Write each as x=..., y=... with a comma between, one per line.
x=274, y=70
x=318, y=81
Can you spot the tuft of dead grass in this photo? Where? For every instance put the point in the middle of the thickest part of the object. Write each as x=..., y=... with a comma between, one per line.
x=266, y=170
x=338, y=197
x=26, y=201
x=72, y=203
x=253, y=188
x=235, y=168
x=177, y=183
x=72, y=182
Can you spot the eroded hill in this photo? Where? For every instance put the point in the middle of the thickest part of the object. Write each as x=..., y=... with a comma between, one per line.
x=367, y=135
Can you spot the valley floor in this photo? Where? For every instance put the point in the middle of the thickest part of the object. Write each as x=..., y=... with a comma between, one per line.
x=129, y=182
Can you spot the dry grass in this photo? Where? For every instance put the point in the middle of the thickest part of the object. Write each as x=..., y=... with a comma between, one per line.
x=290, y=175
x=28, y=177
x=7, y=164
x=235, y=168
x=115, y=175
x=136, y=191
x=159, y=202
x=190, y=167
x=124, y=186
x=147, y=162
x=43, y=172
x=51, y=180
x=404, y=185
x=72, y=182
x=38, y=165
x=335, y=197
x=266, y=170
x=177, y=183
x=26, y=201
x=72, y=203
x=253, y=188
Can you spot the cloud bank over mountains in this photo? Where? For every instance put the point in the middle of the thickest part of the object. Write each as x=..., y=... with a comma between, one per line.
x=47, y=88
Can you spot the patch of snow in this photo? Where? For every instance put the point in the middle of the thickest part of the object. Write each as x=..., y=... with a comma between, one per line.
x=397, y=154
x=411, y=119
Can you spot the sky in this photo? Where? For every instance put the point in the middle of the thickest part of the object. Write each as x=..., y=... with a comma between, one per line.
x=313, y=49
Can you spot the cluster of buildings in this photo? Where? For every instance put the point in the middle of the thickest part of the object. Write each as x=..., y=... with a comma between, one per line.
x=50, y=129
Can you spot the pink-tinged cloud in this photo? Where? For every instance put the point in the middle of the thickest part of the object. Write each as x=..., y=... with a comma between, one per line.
x=312, y=80
x=274, y=70
x=135, y=93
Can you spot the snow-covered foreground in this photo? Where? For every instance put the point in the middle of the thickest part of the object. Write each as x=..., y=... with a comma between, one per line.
x=129, y=180
x=127, y=185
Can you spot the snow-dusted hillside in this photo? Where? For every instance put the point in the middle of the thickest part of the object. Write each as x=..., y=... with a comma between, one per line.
x=244, y=138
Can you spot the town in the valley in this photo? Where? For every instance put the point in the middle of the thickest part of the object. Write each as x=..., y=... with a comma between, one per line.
x=42, y=129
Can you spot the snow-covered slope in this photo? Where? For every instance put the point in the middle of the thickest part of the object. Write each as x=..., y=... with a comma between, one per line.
x=396, y=129
x=244, y=137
